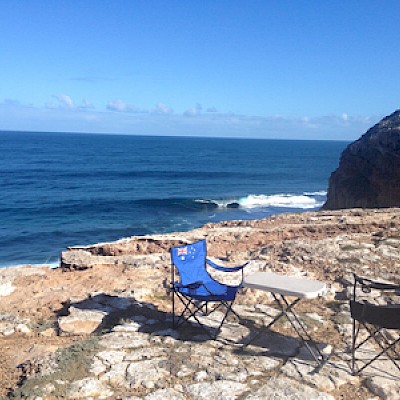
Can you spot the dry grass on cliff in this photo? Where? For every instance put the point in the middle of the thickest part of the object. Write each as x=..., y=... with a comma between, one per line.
x=15, y=369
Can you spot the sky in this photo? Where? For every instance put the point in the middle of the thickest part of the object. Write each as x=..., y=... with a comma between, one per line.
x=288, y=69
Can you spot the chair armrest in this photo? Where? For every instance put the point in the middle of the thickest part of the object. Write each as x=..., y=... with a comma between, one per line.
x=368, y=284
x=194, y=285
x=225, y=269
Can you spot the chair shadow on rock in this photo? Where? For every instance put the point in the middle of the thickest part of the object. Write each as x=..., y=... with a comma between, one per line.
x=120, y=313
x=200, y=293
x=375, y=311
x=114, y=310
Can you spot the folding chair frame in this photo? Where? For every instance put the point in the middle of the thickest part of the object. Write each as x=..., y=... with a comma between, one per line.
x=374, y=329
x=192, y=307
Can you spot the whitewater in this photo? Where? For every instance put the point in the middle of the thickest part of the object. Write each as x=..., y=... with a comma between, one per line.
x=304, y=201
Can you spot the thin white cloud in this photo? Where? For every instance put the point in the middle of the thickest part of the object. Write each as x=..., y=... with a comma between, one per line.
x=193, y=111
x=17, y=116
x=162, y=108
x=211, y=110
x=123, y=107
x=11, y=102
x=86, y=105
x=64, y=101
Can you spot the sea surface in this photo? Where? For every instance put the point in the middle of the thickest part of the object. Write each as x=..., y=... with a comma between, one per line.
x=59, y=190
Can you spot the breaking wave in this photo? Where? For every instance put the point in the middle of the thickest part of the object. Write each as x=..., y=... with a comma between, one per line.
x=305, y=201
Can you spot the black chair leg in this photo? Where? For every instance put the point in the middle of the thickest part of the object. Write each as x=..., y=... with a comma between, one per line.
x=353, y=349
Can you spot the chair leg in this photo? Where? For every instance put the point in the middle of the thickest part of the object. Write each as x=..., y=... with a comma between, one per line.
x=389, y=346
x=384, y=350
x=372, y=335
x=235, y=314
x=353, y=349
x=228, y=310
x=191, y=308
x=173, y=309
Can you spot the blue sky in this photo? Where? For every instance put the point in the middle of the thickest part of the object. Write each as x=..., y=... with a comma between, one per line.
x=268, y=69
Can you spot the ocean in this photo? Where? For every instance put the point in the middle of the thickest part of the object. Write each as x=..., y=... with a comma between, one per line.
x=61, y=189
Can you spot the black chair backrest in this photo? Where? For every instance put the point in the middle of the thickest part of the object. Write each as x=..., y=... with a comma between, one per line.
x=385, y=316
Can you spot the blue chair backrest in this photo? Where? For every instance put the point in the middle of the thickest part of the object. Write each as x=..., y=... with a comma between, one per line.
x=190, y=260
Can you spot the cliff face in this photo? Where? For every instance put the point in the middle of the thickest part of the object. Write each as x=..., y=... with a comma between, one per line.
x=368, y=175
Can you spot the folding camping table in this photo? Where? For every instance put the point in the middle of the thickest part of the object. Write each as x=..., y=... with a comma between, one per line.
x=280, y=287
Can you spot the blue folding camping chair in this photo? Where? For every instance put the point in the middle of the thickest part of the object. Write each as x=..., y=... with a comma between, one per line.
x=197, y=288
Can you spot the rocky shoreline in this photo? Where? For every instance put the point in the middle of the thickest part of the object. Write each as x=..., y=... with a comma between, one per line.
x=99, y=326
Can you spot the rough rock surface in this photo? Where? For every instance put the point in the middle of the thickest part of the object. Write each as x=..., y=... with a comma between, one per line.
x=119, y=290
x=81, y=321
x=369, y=171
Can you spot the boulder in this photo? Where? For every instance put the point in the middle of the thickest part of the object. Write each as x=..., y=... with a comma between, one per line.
x=368, y=175
x=218, y=390
x=6, y=289
x=81, y=322
x=89, y=388
x=285, y=388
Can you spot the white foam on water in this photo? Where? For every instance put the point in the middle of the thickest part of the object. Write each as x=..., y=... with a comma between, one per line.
x=318, y=193
x=280, y=201
x=221, y=203
x=305, y=201
x=52, y=265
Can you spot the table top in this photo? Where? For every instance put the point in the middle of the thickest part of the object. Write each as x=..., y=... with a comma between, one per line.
x=285, y=285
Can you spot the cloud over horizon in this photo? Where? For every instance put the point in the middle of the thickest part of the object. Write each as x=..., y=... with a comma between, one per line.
x=161, y=108
x=64, y=101
x=119, y=105
x=121, y=117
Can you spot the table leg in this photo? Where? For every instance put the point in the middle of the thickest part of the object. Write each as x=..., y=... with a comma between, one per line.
x=287, y=311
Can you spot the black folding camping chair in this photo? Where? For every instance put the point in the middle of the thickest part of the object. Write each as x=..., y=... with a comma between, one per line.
x=376, y=319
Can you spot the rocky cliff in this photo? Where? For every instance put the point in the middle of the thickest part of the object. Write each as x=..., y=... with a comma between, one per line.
x=100, y=326
x=368, y=175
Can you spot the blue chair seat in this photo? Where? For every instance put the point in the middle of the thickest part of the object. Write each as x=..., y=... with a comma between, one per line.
x=209, y=291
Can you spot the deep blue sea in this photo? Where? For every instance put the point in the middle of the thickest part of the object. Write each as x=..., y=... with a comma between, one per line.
x=59, y=190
